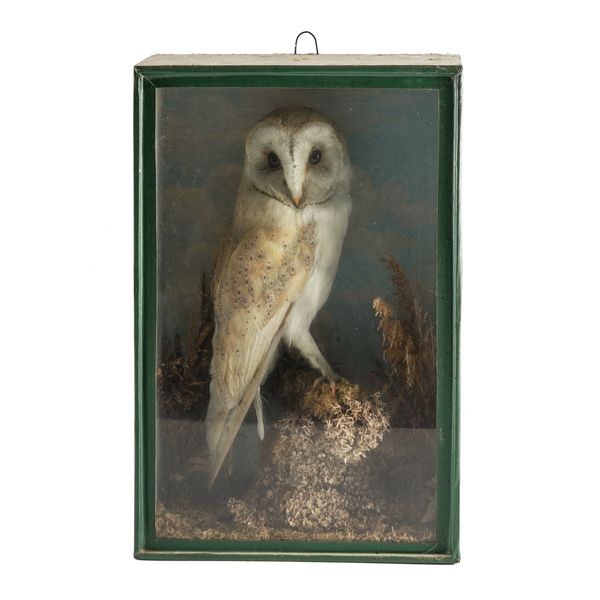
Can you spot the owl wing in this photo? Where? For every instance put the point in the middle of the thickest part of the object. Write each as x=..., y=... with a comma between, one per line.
x=258, y=277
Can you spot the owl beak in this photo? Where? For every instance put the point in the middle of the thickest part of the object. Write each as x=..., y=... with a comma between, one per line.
x=294, y=178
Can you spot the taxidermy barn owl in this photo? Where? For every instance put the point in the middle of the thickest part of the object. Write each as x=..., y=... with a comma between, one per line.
x=277, y=265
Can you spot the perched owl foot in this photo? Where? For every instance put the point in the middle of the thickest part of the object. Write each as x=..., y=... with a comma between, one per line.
x=307, y=346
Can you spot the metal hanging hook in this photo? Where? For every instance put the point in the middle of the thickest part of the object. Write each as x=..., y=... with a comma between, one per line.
x=298, y=37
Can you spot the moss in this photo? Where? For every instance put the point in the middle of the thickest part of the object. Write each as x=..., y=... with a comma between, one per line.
x=183, y=377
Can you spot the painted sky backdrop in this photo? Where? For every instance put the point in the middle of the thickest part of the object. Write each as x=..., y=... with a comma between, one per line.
x=392, y=138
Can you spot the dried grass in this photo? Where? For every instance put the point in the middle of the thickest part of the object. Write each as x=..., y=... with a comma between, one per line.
x=409, y=351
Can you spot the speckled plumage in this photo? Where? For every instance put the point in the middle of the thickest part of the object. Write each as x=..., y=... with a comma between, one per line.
x=276, y=267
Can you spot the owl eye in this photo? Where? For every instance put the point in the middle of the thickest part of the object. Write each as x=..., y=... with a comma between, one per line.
x=273, y=160
x=315, y=157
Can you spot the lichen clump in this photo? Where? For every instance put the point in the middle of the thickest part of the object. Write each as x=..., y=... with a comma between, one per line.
x=354, y=422
x=317, y=478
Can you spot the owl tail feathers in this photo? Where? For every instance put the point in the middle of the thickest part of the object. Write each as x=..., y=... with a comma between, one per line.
x=235, y=417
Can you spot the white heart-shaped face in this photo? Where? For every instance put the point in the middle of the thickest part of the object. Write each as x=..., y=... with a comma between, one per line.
x=296, y=156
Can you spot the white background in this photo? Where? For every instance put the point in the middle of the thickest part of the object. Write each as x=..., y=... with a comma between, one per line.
x=530, y=162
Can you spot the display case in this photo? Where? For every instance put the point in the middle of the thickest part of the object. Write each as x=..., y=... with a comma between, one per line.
x=297, y=307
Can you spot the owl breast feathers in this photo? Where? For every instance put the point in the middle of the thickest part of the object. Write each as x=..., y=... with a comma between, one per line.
x=277, y=265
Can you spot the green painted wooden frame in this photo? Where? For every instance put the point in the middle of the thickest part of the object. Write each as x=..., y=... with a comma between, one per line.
x=446, y=79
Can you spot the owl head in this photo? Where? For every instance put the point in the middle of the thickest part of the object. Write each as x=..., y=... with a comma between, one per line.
x=298, y=156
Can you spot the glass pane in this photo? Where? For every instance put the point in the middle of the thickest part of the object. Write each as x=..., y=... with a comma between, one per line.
x=350, y=459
